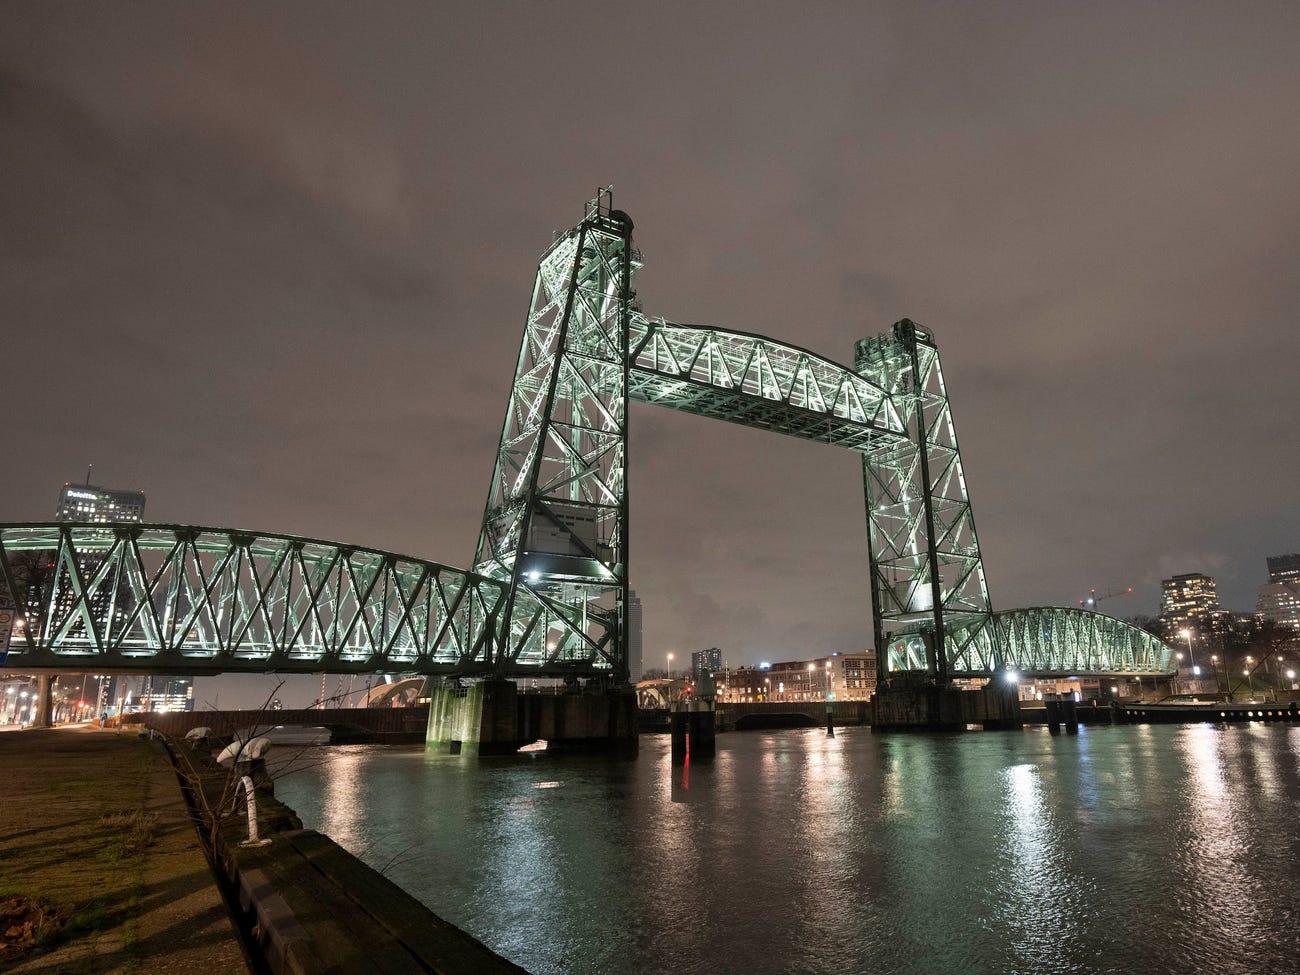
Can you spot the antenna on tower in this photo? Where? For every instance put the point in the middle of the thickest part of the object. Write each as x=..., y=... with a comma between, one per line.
x=89, y=467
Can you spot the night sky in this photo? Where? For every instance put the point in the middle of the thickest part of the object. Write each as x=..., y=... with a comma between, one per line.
x=270, y=264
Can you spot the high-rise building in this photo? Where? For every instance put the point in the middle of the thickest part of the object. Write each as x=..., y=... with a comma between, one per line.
x=1188, y=600
x=171, y=694
x=85, y=502
x=702, y=660
x=1279, y=598
x=88, y=503
x=635, y=648
x=1284, y=568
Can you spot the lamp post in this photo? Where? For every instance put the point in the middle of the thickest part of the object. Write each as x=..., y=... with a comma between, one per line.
x=811, y=668
x=1191, y=657
x=1250, y=681
x=1277, y=683
x=1178, y=669
x=1214, y=664
x=670, y=666
x=828, y=679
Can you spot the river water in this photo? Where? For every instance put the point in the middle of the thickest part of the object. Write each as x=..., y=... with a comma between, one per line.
x=1161, y=849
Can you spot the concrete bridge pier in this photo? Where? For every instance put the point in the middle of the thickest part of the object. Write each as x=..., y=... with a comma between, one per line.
x=491, y=717
x=911, y=701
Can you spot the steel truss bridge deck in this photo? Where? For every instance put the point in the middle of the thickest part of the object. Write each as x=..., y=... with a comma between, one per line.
x=185, y=599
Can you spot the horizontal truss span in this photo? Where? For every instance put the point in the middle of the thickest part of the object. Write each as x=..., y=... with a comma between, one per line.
x=184, y=599
x=757, y=382
x=1050, y=641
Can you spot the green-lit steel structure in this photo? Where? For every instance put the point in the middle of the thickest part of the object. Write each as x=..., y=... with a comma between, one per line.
x=204, y=600
x=549, y=584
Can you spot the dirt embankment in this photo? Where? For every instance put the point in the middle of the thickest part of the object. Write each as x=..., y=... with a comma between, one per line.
x=100, y=866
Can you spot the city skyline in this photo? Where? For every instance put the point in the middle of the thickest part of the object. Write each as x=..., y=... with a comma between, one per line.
x=290, y=272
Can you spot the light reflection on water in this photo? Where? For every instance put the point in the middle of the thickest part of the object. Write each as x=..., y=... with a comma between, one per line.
x=1148, y=849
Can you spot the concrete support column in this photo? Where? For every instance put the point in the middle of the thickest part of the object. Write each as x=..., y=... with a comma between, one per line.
x=492, y=718
x=480, y=718
x=44, y=715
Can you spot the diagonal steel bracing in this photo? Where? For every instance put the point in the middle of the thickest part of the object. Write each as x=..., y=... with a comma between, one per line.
x=757, y=382
x=202, y=600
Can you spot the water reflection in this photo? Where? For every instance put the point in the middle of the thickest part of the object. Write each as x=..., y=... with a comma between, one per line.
x=1155, y=850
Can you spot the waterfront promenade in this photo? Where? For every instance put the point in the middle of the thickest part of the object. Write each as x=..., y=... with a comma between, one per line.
x=102, y=871
x=96, y=838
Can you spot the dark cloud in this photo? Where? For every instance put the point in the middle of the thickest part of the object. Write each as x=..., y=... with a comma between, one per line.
x=271, y=265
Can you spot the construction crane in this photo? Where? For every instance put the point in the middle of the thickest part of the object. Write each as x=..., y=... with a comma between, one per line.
x=1095, y=597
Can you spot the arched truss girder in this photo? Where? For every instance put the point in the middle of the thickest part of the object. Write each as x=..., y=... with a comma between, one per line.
x=1048, y=641
x=187, y=599
x=757, y=382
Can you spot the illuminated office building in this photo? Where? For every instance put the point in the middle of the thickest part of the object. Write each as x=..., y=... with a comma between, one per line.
x=86, y=502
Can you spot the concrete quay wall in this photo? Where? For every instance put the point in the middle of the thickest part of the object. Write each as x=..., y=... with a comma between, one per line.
x=348, y=725
x=782, y=714
x=306, y=905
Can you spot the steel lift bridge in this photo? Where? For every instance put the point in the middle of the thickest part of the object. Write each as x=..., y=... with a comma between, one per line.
x=548, y=587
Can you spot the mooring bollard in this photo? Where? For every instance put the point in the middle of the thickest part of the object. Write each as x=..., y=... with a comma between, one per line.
x=249, y=794
x=1053, y=706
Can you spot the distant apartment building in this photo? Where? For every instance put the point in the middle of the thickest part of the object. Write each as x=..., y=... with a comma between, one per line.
x=702, y=660
x=1186, y=604
x=1279, y=598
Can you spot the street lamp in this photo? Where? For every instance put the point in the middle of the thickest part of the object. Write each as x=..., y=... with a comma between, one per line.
x=811, y=668
x=828, y=679
x=1191, y=657
x=670, y=666
x=1177, y=670
x=1249, y=680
